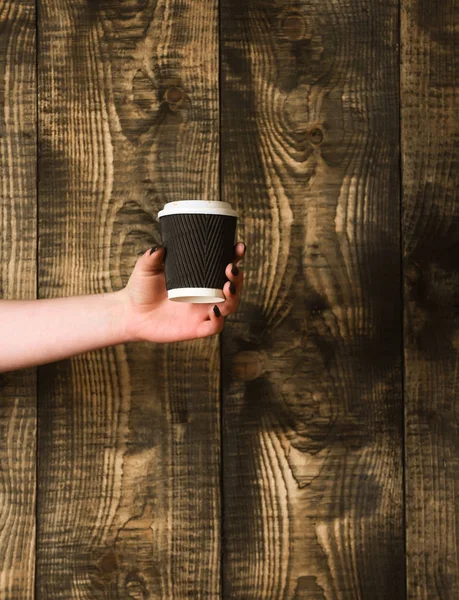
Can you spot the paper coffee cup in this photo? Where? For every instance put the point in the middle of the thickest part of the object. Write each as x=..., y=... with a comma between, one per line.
x=198, y=237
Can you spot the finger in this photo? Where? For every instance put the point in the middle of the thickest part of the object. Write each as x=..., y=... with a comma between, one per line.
x=151, y=261
x=235, y=275
x=231, y=301
x=213, y=325
x=239, y=251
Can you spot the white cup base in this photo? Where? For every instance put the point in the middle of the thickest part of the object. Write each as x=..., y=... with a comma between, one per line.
x=196, y=295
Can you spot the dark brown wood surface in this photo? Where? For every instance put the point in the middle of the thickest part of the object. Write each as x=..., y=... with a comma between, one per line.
x=18, y=234
x=339, y=469
x=312, y=386
x=430, y=136
x=129, y=493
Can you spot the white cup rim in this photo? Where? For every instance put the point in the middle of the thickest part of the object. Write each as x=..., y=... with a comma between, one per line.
x=212, y=207
x=196, y=295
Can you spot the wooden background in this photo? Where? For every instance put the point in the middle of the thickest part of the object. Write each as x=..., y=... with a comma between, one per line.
x=311, y=451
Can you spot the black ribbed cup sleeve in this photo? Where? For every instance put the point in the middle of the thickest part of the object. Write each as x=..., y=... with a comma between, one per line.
x=198, y=248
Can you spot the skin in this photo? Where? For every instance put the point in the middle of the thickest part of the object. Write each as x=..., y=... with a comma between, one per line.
x=36, y=332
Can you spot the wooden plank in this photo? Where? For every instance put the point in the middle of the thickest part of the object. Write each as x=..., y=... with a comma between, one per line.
x=17, y=281
x=312, y=437
x=129, y=504
x=430, y=145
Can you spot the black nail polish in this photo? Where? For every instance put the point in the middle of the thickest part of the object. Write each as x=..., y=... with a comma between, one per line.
x=234, y=270
x=245, y=248
x=154, y=249
x=232, y=288
x=217, y=311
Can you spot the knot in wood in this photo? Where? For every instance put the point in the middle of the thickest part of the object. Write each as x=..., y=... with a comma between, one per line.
x=174, y=95
x=316, y=136
x=294, y=26
x=108, y=563
x=412, y=273
x=247, y=365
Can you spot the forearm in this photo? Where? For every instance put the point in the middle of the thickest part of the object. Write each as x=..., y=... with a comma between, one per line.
x=35, y=332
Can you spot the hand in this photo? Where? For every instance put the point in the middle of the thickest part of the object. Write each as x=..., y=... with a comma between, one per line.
x=151, y=316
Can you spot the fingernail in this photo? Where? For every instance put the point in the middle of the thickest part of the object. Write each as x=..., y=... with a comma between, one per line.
x=245, y=247
x=234, y=270
x=232, y=288
x=154, y=249
x=217, y=311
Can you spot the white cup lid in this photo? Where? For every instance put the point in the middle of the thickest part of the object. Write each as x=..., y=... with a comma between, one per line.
x=211, y=207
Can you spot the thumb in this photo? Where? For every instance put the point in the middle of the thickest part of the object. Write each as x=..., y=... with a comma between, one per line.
x=151, y=262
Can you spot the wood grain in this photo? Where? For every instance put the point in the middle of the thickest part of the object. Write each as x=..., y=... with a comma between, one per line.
x=17, y=281
x=129, y=499
x=312, y=390
x=430, y=136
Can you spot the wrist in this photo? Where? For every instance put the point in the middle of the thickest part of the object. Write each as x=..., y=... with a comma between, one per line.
x=119, y=314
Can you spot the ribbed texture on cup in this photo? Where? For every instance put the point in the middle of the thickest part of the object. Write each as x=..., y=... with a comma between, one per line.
x=198, y=248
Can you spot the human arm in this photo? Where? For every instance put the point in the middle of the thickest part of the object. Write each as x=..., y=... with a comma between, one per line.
x=35, y=332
